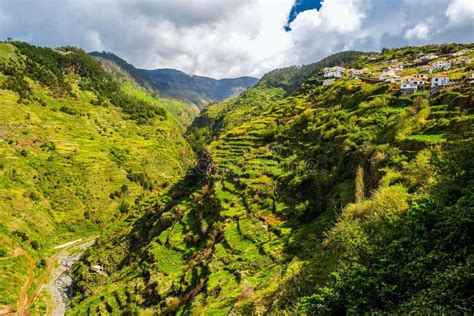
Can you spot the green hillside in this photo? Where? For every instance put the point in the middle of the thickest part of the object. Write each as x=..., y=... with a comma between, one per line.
x=349, y=198
x=183, y=112
x=80, y=150
x=196, y=90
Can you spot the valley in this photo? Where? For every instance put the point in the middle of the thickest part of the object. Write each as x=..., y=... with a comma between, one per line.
x=338, y=187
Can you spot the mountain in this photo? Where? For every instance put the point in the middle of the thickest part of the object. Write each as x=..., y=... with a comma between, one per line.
x=177, y=84
x=290, y=78
x=309, y=197
x=79, y=149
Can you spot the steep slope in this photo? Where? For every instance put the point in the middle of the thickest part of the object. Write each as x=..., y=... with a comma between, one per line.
x=76, y=153
x=183, y=112
x=347, y=198
x=290, y=78
x=198, y=90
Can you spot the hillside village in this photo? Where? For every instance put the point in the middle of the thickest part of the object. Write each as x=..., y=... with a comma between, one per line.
x=416, y=72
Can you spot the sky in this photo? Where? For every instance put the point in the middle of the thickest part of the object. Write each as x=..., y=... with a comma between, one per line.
x=233, y=38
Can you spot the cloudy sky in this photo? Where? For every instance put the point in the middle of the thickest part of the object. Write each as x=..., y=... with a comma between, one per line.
x=231, y=38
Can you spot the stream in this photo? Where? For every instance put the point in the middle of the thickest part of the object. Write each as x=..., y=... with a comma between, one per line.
x=61, y=285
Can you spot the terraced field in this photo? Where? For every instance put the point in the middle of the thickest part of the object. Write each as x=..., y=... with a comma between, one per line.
x=68, y=167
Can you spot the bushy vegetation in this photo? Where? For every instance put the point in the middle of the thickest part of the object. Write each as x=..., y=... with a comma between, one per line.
x=65, y=158
x=49, y=67
x=350, y=198
x=344, y=199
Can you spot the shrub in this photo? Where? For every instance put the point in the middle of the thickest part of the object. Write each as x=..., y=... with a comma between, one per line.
x=68, y=110
x=23, y=236
x=35, y=244
x=124, y=207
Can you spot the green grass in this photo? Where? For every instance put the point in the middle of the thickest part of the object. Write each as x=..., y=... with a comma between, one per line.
x=278, y=218
x=427, y=138
x=58, y=171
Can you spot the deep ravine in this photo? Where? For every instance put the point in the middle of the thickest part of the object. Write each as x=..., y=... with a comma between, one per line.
x=61, y=285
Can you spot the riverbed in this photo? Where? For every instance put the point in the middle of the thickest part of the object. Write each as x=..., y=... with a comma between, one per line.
x=61, y=285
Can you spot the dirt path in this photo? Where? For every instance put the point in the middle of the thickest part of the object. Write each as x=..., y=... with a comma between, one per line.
x=23, y=298
x=58, y=286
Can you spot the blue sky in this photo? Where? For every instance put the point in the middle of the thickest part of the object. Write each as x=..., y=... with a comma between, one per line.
x=232, y=38
x=301, y=6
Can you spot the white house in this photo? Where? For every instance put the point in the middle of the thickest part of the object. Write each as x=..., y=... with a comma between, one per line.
x=460, y=61
x=390, y=76
x=441, y=65
x=439, y=81
x=358, y=72
x=412, y=84
x=430, y=56
x=461, y=52
x=425, y=68
x=333, y=72
x=408, y=87
x=386, y=74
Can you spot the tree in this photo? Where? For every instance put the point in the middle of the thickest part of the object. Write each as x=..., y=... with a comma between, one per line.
x=35, y=244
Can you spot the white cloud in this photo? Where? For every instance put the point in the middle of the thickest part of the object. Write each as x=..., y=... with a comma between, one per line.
x=342, y=16
x=236, y=37
x=419, y=32
x=461, y=12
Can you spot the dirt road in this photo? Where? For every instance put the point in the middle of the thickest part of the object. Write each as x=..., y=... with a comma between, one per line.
x=60, y=284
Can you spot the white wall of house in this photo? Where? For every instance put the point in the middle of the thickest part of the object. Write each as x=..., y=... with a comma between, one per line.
x=441, y=65
x=333, y=72
x=439, y=81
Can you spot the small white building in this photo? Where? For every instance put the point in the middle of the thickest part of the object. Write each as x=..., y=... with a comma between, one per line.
x=386, y=74
x=460, y=61
x=412, y=84
x=390, y=76
x=408, y=87
x=333, y=72
x=425, y=68
x=461, y=52
x=439, y=81
x=441, y=65
x=358, y=72
x=430, y=56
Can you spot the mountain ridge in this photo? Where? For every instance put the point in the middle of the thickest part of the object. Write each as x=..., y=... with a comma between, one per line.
x=199, y=90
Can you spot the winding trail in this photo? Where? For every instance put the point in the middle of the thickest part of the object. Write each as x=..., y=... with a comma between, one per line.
x=60, y=283
x=23, y=298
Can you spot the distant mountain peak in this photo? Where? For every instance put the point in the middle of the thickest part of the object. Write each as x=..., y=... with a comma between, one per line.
x=196, y=89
